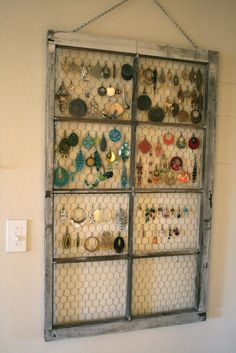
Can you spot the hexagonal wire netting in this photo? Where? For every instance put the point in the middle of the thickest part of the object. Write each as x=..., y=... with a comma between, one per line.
x=85, y=225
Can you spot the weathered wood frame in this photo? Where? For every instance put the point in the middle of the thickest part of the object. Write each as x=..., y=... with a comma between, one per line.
x=210, y=59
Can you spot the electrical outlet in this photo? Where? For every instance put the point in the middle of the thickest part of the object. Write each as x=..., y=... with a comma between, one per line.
x=16, y=235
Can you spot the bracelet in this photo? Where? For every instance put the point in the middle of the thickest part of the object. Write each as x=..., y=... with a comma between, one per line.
x=91, y=244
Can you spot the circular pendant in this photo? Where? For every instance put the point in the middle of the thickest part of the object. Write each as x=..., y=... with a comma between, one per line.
x=90, y=162
x=144, y=146
x=182, y=116
x=115, y=135
x=156, y=114
x=195, y=116
x=73, y=139
x=144, y=102
x=77, y=108
x=176, y=163
x=168, y=139
x=102, y=91
x=61, y=177
x=193, y=143
x=127, y=72
x=119, y=244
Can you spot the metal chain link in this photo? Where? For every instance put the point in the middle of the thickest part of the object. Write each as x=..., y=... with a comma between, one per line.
x=176, y=24
x=124, y=1
x=100, y=15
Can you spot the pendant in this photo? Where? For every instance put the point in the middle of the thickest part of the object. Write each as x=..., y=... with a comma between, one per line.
x=192, y=76
x=121, y=218
x=97, y=160
x=198, y=80
x=64, y=146
x=124, y=177
x=73, y=139
x=182, y=116
x=106, y=72
x=124, y=150
x=139, y=168
x=194, y=173
x=175, y=80
x=110, y=157
x=193, y=143
x=62, y=97
x=88, y=142
x=96, y=71
x=114, y=135
x=90, y=162
x=80, y=161
x=144, y=146
x=183, y=177
x=93, y=109
x=181, y=96
x=158, y=149
x=103, y=143
x=181, y=142
x=66, y=241
x=61, y=176
x=102, y=91
x=111, y=91
x=174, y=109
x=119, y=244
x=168, y=138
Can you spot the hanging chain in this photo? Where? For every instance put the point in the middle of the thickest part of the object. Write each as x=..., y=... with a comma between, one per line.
x=176, y=24
x=124, y=1
x=100, y=15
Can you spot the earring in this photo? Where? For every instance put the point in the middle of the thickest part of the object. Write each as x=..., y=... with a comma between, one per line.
x=66, y=241
x=147, y=215
x=139, y=168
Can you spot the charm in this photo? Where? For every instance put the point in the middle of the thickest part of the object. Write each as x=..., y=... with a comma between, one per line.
x=185, y=74
x=144, y=101
x=183, y=177
x=162, y=78
x=96, y=140
x=111, y=91
x=121, y=218
x=176, y=231
x=73, y=139
x=182, y=116
x=110, y=157
x=124, y=177
x=97, y=160
x=152, y=213
x=194, y=173
x=77, y=217
x=192, y=76
x=144, y=146
x=119, y=244
x=176, y=163
x=178, y=215
x=175, y=80
x=160, y=211
x=83, y=72
x=181, y=142
x=147, y=215
x=66, y=241
x=158, y=149
x=64, y=146
x=180, y=96
x=61, y=176
x=174, y=109
x=88, y=142
x=63, y=216
x=168, y=138
x=106, y=241
x=80, y=161
x=198, y=80
x=93, y=109
x=195, y=116
x=157, y=176
x=139, y=168
x=115, y=135
x=156, y=114
x=103, y=143
x=124, y=150
x=96, y=71
x=77, y=108
x=127, y=72
x=169, y=232
x=166, y=213
x=102, y=91
x=62, y=97
x=193, y=142
x=90, y=162
x=106, y=72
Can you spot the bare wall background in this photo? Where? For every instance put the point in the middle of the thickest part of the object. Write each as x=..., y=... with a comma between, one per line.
x=23, y=31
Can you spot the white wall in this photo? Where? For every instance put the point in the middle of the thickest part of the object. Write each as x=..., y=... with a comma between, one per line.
x=23, y=32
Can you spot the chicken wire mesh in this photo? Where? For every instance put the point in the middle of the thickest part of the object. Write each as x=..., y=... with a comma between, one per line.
x=176, y=87
x=163, y=284
x=165, y=222
x=168, y=158
x=88, y=225
x=89, y=291
x=83, y=72
x=96, y=161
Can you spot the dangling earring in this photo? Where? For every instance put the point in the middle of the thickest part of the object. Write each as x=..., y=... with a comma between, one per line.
x=66, y=241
